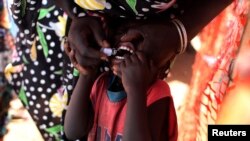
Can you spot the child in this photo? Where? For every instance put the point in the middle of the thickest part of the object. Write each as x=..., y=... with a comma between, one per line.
x=127, y=105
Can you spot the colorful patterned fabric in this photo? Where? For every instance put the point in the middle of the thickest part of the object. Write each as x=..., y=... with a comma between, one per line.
x=5, y=89
x=37, y=65
x=137, y=9
x=40, y=73
x=212, y=70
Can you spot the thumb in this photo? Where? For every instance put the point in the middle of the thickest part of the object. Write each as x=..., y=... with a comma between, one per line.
x=99, y=35
x=131, y=35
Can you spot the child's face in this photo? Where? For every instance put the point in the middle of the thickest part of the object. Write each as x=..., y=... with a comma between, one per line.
x=128, y=48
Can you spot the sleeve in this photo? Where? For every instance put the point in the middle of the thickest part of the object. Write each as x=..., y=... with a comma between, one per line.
x=174, y=8
x=160, y=90
x=78, y=11
x=91, y=4
x=157, y=91
x=25, y=13
x=93, y=94
x=172, y=122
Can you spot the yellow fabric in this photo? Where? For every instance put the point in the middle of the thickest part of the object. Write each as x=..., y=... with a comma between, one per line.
x=91, y=4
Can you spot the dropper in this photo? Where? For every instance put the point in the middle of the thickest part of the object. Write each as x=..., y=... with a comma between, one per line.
x=109, y=51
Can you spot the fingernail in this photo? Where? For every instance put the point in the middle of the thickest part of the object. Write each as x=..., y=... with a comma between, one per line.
x=115, y=73
x=105, y=44
x=122, y=38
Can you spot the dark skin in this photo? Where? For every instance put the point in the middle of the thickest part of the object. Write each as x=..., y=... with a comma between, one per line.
x=194, y=19
x=196, y=16
x=137, y=76
x=137, y=73
x=85, y=42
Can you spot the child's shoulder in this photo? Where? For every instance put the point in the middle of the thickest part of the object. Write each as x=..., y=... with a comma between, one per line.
x=160, y=86
x=158, y=90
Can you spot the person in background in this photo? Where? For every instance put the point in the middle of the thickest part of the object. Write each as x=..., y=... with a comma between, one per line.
x=36, y=70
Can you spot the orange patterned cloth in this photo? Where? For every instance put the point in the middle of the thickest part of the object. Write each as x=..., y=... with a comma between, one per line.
x=220, y=41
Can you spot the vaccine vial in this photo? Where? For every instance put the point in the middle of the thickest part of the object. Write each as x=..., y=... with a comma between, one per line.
x=109, y=51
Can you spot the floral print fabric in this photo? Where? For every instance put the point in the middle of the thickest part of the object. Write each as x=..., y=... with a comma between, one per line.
x=36, y=71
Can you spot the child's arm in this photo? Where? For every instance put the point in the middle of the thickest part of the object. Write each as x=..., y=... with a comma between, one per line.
x=141, y=123
x=79, y=114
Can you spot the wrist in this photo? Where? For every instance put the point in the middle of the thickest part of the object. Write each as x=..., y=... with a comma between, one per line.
x=136, y=94
x=137, y=99
x=88, y=77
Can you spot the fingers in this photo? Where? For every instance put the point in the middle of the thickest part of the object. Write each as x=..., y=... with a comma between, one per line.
x=76, y=57
x=82, y=45
x=141, y=57
x=99, y=34
x=127, y=59
x=77, y=64
x=136, y=58
x=85, y=61
x=82, y=70
x=131, y=35
x=100, y=39
x=117, y=70
x=66, y=47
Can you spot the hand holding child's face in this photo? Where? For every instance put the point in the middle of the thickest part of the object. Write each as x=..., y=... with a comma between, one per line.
x=85, y=39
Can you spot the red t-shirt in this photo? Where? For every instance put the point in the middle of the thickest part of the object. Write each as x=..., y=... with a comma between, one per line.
x=111, y=115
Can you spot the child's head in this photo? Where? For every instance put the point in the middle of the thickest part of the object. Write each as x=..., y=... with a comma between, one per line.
x=139, y=41
x=160, y=59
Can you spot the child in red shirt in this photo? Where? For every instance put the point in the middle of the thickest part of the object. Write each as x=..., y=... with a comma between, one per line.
x=132, y=105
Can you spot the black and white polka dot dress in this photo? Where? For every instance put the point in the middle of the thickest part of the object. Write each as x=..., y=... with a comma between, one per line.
x=36, y=72
x=135, y=9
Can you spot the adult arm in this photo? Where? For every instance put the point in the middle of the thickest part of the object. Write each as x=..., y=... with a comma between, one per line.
x=199, y=13
x=79, y=114
x=85, y=37
x=195, y=17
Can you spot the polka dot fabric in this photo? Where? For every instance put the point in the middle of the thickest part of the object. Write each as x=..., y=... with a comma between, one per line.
x=136, y=9
x=42, y=75
x=37, y=74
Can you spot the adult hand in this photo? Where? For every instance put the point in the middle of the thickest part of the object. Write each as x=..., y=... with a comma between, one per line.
x=86, y=37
